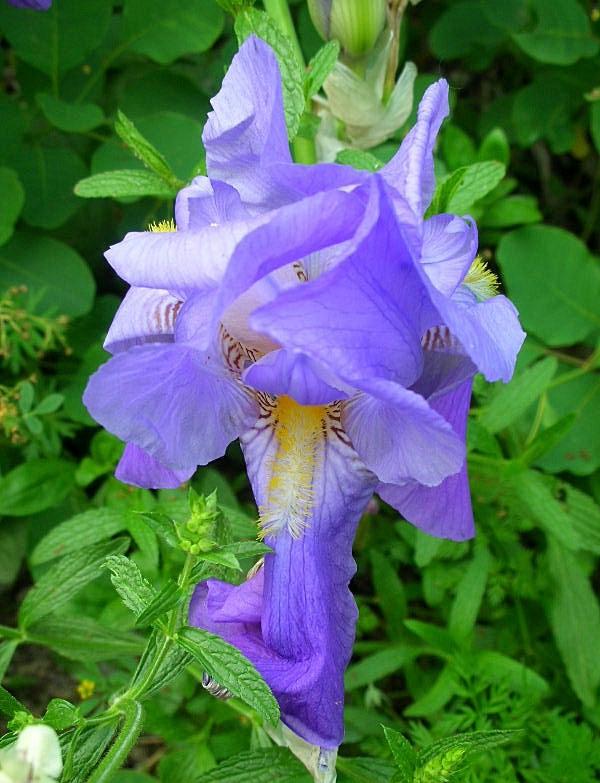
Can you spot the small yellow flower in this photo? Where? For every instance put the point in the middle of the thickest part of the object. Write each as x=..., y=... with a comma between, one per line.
x=86, y=689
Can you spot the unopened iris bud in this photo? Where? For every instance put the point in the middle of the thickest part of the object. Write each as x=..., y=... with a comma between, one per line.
x=356, y=24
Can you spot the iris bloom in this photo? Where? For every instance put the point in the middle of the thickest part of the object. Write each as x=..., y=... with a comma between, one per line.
x=312, y=312
x=36, y=5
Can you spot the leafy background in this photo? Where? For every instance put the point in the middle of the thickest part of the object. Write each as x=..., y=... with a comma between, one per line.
x=499, y=633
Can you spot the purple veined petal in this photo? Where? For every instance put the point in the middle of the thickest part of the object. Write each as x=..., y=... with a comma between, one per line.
x=35, y=5
x=400, y=437
x=295, y=375
x=364, y=318
x=164, y=399
x=445, y=510
x=287, y=235
x=246, y=133
x=410, y=171
x=449, y=246
x=137, y=467
x=445, y=364
x=303, y=642
x=207, y=203
x=489, y=331
x=145, y=315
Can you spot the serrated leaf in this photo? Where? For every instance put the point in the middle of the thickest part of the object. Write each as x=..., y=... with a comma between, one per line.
x=449, y=755
x=124, y=183
x=35, y=485
x=458, y=192
x=404, y=755
x=254, y=22
x=167, y=598
x=141, y=147
x=174, y=663
x=319, y=68
x=9, y=705
x=65, y=579
x=135, y=591
x=575, y=620
x=258, y=766
x=84, y=639
x=230, y=668
x=162, y=525
x=80, y=531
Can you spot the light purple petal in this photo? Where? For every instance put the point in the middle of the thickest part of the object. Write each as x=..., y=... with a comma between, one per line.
x=137, y=467
x=363, y=318
x=35, y=5
x=246, y=132
x=445, y=510
x=400, y=437
x=448, y=249
x=145, y=315
x=295, y=375
x=304, y=640
x=164, y=399
x=204, y=203
x=410, y=171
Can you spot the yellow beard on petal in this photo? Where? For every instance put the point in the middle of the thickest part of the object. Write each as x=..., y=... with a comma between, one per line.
x=299, y=431
x=162, y=227
x=481, y=280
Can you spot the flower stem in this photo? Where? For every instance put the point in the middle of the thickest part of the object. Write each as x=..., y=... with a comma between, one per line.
x=133, y=718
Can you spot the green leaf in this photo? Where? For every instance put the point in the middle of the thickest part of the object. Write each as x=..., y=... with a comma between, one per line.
x=65, y=579
x=377, y=666
x=553, y=281
x=253, y=22
x=165, y=34
x=7, y=650
x=359, y=159
x=58, y=39
x=547, y=439
x=44, y=265
x=404, y=756
x=447, y=756
x=536, y=494
x=459, y=191
x=70, y=117
x=230, y=668
x=365, y=770
x=79, y=532
x=142, y=148
x=35, y=485
x=390, y=594
x=495, y=146
x=12, y=198
x=436, y=698
x=584, y=514
x=170, y=595
x=463, y=31
x=162, y=525
x=506, y=671
x=575, y=620
x=511, y=211
x=512, y=400
x=9, y=705
x=174, y=663
x=320, y=67
x=49, y=404
x=61, y=714
x=84, y=639
x=124, y=183
x=595, y=123
x=258, y=766
x=562, y=34
x=469, y=595
x=135, y=591
x=543, y=109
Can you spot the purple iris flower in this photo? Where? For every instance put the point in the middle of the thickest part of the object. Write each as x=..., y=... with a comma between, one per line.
x=36, y=5
x=313, y=313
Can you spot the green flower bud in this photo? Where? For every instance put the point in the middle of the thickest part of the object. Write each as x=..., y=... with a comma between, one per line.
x=356, y=24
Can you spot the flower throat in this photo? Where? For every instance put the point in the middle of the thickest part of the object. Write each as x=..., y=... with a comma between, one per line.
x=299, y=432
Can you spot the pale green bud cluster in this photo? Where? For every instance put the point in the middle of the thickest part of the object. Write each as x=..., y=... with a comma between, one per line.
x=196, y=534
x=356, y=24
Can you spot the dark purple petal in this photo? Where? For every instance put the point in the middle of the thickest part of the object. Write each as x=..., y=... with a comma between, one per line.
x=400, y=437
x=445, y=510
x=246, y=132
x=164, y=399
x=145, y=315
x=364, y=318
x=295, y=375
x=448, y=249
x=303, y=641
x=137, y=467
x=410, y=171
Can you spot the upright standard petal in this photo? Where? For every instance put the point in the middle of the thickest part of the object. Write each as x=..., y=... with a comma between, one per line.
x=246, y=133
x=303, y=641
x=206, y=202
x=448, y=249
x=166, y=400
x=410, y=171
x=364, y=317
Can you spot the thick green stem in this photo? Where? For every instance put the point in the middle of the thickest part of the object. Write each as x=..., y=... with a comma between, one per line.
x=133, y=719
